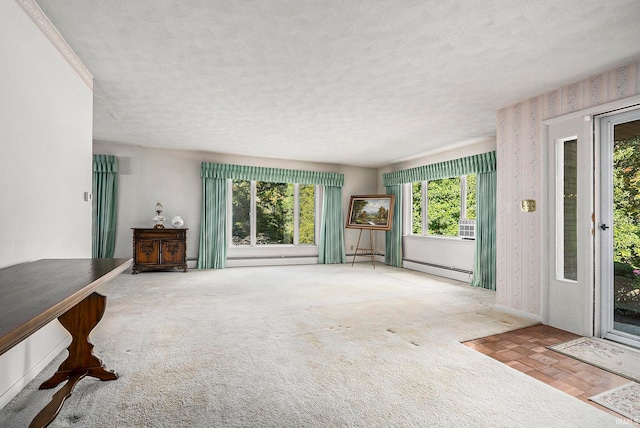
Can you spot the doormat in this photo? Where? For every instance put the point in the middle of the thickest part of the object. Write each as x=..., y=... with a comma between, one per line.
x=624, y=400
x=618, y=359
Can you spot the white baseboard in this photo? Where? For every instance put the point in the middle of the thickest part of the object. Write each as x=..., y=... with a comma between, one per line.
x=275, y=261
x=12, y=391
x=439, y=271
x=511, y=311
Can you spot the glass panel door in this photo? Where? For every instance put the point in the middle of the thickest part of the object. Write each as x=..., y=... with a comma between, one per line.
x=620, y=227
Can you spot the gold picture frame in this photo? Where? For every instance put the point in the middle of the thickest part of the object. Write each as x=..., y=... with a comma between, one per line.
x=373, y=212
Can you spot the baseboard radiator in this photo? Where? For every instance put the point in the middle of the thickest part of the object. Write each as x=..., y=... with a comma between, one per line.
x=271, y=261
x=452, y=272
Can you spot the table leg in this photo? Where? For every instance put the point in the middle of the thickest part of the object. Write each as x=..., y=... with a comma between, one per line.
x=81, y=361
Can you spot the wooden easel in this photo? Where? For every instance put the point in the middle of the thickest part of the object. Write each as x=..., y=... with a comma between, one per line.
x=366, y=252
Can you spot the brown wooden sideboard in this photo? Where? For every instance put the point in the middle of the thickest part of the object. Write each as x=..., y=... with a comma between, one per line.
x=159, y=249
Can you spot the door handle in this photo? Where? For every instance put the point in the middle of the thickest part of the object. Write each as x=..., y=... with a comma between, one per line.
x=604, y=226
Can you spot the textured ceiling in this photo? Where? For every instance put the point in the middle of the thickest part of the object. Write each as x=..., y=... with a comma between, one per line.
x=359, y=82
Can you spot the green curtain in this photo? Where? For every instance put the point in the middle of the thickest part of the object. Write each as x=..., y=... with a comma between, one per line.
x=475, y=164
x=213, y=230
x=105, y=205
x=213, y=235
x=484, y=265
x=331, y=247
x=393, y=237
x=484, y=166
x=272, y=175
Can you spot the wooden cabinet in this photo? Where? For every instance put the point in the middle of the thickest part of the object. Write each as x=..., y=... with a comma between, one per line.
x=159, y=249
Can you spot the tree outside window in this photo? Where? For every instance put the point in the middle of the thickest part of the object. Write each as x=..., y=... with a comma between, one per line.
x=307, y=205
x=241, y=206
x=274, y=213
x=443, y=204
x=278, y=219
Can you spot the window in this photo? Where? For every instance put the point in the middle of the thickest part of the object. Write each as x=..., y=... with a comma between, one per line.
x=437, y=206
x=284, y=213
x=241, y=206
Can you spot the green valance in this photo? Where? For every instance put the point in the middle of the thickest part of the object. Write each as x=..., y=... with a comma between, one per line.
x=476, y=164
x=272, y=175
x=105, y=163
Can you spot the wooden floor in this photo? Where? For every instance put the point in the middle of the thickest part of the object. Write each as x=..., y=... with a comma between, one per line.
x=526, y=350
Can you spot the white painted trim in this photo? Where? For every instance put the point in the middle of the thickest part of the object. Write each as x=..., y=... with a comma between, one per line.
x=623, y=103
x=282, y=261
x=48, y=29
x=10, y=393
x=544, y=224
x=511, y=311
x=433, y=270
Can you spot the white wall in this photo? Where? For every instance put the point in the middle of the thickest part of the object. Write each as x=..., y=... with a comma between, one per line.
x=422, y=253
x=45, y=168
x=521, y=252
x=148, y=175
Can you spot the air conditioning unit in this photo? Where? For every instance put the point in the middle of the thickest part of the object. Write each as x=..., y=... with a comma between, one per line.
x=467, y=229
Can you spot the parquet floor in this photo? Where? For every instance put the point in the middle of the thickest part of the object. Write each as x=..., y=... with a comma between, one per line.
x=526, y=350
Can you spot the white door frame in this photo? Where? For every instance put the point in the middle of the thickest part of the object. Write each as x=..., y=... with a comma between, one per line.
x=546, y=213
x=604, y=246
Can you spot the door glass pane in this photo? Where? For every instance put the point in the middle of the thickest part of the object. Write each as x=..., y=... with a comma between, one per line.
x=274, y=213
x=626, y=227
x=241, y=209
x=570, y=209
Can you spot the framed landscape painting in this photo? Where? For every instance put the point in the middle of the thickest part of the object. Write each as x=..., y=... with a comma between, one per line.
x=370, y=212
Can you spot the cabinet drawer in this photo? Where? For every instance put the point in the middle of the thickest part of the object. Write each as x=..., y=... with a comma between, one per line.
x=160, y=234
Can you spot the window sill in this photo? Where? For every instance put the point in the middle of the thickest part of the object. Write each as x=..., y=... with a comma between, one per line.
x=439, y=238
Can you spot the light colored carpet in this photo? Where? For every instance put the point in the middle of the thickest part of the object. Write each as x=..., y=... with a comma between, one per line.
x=624, y=399
x=619, y=359
x=302, y=346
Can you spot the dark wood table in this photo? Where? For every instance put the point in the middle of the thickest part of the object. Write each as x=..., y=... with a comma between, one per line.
x=36, y=293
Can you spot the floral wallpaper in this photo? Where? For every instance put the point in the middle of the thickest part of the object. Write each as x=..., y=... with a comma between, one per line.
x=519, y=160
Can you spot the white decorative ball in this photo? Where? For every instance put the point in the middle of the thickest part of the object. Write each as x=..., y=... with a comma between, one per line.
x=177, y=222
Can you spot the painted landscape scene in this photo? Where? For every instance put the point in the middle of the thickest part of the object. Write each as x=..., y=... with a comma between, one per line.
x=370, y=212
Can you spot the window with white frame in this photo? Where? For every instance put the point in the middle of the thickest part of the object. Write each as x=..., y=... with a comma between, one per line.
x=444, y=207
x=265, y=213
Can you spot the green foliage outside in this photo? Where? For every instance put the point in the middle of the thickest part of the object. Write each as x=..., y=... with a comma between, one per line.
x=307, y=214
x=471, y=196
x=417, y=207
x=443, y=206
x=241, y=208
x=274, y=213
x=626, y=218
x=626, y=196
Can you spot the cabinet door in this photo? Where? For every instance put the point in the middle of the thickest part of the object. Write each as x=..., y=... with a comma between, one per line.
x=173, y=252
x=148, y=252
